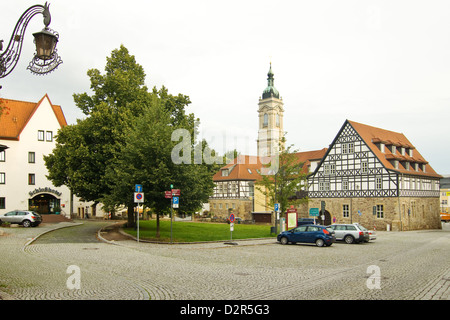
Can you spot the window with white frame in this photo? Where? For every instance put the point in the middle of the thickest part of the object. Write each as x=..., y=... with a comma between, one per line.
x=329, y=169
x=49, y=136
x=364, y=167
x=324, y=186
x=378, y=183
x=348, y=148
x=2, y=156
x=41, y=134
x=31, y=157
x=2, y=178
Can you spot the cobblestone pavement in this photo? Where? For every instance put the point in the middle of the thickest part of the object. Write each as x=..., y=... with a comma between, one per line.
x=398, y=265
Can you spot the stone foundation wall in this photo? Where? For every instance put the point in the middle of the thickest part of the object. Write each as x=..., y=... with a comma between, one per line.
x=398, y=213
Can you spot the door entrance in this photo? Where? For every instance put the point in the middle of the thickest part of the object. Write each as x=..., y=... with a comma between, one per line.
x=327, y=220
x=44, y=204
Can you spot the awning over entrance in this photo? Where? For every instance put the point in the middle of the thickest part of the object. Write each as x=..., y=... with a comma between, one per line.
x=45, y=203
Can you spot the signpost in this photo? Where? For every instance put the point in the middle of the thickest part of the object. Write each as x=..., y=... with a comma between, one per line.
x=138, y=198
x=232, y=219
x=174, y=196
x=175, y=202
x=277, y=216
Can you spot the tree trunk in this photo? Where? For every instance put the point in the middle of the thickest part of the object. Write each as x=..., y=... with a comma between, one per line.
x=157, y=226
x=130, y=213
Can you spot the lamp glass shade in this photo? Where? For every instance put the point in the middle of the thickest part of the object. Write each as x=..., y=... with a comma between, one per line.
x=45, y=44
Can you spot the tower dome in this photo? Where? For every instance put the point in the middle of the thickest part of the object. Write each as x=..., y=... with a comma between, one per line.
x=270, y=90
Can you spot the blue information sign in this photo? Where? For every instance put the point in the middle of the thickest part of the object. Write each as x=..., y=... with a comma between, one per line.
x=314, y=212
x=138, y=188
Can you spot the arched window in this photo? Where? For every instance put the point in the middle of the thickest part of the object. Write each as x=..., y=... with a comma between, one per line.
x=266, y=120
x=277, y=120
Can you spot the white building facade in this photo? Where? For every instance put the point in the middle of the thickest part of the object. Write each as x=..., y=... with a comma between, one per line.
x=28, y=131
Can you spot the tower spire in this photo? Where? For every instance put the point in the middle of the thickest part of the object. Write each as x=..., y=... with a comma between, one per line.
x=270, y=91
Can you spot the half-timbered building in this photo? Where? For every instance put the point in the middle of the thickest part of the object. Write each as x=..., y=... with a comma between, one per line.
x=376, y=177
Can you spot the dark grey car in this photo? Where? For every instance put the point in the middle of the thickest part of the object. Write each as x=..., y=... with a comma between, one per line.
x=23, y=217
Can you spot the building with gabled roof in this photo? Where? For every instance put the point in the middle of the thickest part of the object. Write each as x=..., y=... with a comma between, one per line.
x=235, y=186
x=234, y=189
x=28, y=131
x=376, y=177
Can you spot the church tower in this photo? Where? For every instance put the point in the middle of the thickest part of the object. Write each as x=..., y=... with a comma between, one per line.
x=270, y=112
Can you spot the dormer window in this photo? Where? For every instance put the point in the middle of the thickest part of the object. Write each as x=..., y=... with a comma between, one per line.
x=407, y=165
x=225, y=173
x=423, y=167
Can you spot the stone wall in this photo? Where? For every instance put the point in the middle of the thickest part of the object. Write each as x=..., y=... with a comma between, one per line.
x=416, y=213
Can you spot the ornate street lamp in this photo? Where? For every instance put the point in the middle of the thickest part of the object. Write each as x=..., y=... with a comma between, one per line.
x=46, y=59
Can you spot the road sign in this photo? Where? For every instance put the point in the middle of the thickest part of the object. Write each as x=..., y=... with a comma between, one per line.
x=138, y=188
x=277, y=207
x=175, y=202
x=232, y=218
x=176, y=192
x=168, y=194
x=314, y=212
x=231, y=227
x=138, y=197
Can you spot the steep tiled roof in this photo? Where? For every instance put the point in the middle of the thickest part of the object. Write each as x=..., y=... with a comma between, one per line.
x=19, y=113
x=246, y=167
x=373, y=136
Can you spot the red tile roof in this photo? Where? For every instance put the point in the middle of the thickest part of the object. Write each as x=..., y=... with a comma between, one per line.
x=246, y=167
x=372, y=136
x=19, y=113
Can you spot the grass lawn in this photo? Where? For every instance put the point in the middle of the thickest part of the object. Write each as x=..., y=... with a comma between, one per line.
x=198, y=231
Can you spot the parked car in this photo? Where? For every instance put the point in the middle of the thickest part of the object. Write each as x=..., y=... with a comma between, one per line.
x=303, y=221
x=350, y=233
x=23, y=217
x=319, y=235
x=372, y=233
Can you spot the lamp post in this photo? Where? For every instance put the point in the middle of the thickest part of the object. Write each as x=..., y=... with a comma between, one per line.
x=46, y=59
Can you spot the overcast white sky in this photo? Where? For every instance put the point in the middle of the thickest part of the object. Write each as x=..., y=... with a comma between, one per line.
x=381, y=63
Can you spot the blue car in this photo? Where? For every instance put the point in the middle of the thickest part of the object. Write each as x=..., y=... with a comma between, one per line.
x=319, y=235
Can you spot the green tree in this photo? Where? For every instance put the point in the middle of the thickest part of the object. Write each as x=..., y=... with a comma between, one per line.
x=146, y=159
x=283, y=185
x=86, y=153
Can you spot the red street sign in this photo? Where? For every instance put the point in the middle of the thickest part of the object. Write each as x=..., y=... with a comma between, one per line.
x=291, y=210
x=232, y=218
x=176, y=192
x=168, y=194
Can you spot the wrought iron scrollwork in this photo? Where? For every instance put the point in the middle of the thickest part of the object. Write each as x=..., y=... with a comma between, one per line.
x=10, y=57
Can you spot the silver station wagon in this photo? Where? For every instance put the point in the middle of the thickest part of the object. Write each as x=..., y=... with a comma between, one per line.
x=350, y=233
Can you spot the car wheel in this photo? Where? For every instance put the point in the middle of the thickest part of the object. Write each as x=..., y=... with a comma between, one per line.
x=349, y=239
x=320, y=243
x=26, y=223
x=284, y=240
